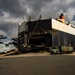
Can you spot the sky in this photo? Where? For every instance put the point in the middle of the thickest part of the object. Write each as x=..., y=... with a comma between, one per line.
x=13, y=11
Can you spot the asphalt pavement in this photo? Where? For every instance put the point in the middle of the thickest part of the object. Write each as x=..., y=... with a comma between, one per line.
x=38, y=65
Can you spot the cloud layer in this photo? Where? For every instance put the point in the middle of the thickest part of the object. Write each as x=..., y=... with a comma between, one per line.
x=12, y=12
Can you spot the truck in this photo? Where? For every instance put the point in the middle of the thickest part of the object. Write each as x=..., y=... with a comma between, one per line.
x=49, y=33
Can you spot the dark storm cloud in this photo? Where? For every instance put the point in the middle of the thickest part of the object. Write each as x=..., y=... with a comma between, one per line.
x=64, y=5
x=74, y=17
x=1, y=13
x=35, y=6
x=12, y=6
x=72, y=4
x=9, y=29
x=18, y=7
x=6, y=27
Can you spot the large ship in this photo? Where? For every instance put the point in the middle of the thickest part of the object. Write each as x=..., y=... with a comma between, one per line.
x=49, y=33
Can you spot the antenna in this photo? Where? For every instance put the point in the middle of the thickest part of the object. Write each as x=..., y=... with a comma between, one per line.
x=67, y=19
x=29, y=18
x=39, y=17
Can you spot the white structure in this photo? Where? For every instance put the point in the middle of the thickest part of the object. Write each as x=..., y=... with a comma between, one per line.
x=6, y=48
x=63, y=27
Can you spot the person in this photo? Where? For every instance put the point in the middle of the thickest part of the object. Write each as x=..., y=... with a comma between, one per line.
x=61, y=18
